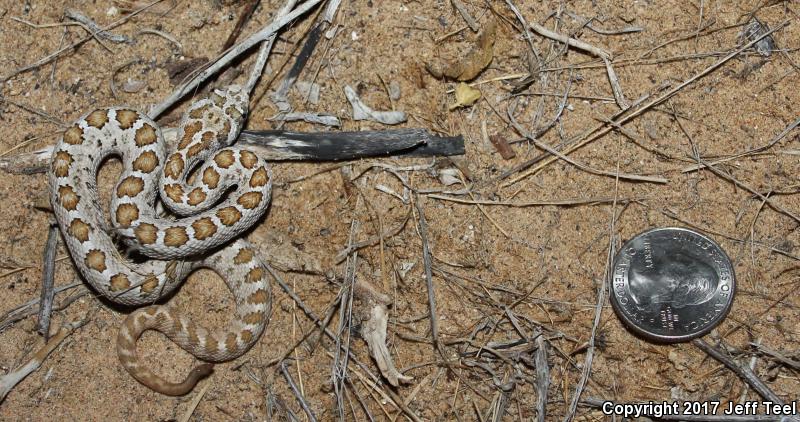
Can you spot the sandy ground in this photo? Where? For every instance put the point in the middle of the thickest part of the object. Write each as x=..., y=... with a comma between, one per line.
x=546, y=261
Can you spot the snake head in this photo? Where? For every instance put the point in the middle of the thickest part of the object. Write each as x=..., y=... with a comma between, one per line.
x=221, y=114
x=233, y=101
x=236, y=97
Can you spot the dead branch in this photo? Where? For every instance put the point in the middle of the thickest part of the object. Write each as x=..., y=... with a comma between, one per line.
x=542, y=379
x=279, y=145
x=27, y=309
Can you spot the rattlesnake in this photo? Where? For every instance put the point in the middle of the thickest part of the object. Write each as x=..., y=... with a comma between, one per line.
x=165, y=250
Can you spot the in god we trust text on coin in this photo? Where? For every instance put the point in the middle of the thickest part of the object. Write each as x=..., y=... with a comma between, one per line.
x=672, y=284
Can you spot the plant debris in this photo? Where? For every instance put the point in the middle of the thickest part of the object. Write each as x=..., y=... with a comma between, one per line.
x=362, y=111
x=472, y=64
x=501, y=145
x=465, y=96
x=755, y=29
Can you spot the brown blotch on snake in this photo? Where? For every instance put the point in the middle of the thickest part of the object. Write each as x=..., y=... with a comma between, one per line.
x=248, y=159
x=126, y=118
x=230, y=341
x=175, y=236
x=174, y=191
x=119, y=282
x=61, y=163
x=217, y=99
x=178, y=325
x=198, y=112
x=205, y=140
x=150, y=283
x=233, y=112
x=224, y=159
x=196, y=196
x=79, y=230
x=252, y=318
x=250, y=200
x=259, y=178
x=68, y=198
x=226, y=129
x=243, y=256
x=191, y=333
x=211, y=178
x=188, y=134
x=145, y=135
x=204, y=228
x=96, y=260
x=97, y=118
x=212, y=345
x=146, y=233
x=229, y=215
x=260, y=297
x=127, y=214
x=174, y=166
x=73, y=135
x=254, y=275
x=146, y=162
x=130, y=186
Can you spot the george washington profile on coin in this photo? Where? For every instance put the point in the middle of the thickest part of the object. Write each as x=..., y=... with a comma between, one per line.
x=678, y=280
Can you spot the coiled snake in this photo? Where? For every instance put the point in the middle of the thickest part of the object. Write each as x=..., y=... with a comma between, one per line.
x=228, y=192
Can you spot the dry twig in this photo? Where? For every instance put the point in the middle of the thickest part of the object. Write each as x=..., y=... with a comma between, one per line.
x=426, y=259
x=743, y=372
x=48, y=278
x=297, y=393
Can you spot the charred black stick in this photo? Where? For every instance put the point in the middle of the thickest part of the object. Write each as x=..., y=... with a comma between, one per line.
x=305, y=53
x=336, y=146
x=312, y=40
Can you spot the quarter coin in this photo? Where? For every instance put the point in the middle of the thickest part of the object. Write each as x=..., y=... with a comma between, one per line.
x=672, y=284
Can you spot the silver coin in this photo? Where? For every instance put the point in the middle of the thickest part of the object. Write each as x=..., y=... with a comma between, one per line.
x=672, y=284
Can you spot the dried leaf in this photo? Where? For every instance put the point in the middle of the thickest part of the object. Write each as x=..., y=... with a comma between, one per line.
x=449, y=177
x=473, y=63
x=465, y=96
x=372, y=310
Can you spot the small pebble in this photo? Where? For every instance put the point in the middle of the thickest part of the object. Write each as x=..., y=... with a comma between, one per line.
x=394, y=90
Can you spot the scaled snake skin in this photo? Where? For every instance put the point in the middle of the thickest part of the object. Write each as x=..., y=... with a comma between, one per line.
x=230, y=192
